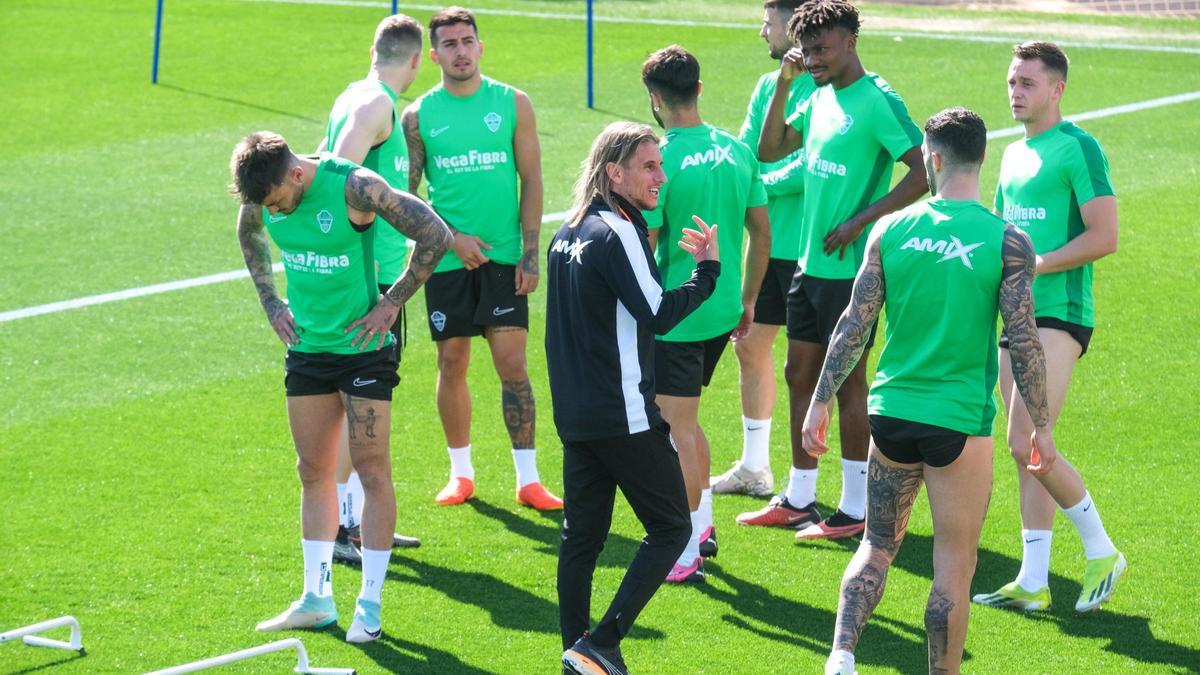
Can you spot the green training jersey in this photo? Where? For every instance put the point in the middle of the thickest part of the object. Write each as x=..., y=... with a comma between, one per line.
x=1043, y=182
x=389, y=159
x=852, y=137
x=941, y=268
x=330, y=266
x=783, y=179
x=471, y=167
x=713, y=175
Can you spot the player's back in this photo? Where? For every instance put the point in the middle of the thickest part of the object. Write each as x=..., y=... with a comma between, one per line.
x=941, y=269
x=711, y=174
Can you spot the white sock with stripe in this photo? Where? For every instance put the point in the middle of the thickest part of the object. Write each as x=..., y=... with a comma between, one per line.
x=1086, y=518
x=1035, y=559
x=756, y=444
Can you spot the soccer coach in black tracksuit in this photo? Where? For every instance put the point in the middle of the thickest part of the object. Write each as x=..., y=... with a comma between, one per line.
x=605, y=302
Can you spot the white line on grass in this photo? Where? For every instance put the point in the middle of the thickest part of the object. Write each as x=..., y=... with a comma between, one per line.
x=1002, y=39
x=155, y=289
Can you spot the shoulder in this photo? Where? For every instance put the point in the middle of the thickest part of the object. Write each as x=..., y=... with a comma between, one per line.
x=434, y=92
x=884, y=96
x=337, y=165
x=1081, y=142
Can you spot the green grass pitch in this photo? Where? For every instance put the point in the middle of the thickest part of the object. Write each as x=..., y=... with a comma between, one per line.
x=147, y=479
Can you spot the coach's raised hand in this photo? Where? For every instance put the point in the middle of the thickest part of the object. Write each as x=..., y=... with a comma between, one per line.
x=702, y=243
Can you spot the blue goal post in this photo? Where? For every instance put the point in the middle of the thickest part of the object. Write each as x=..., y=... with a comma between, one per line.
x=158, y=18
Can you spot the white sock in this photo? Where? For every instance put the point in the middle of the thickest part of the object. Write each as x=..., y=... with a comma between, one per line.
x=343, y=512
x=374, y=571
x=756, y=444
x=706, y=507
x=355, y=498
x=854, y=489
x=525, y=459
x=1096, y=543
x=460, y=463
x=693, y=546
x=802, y=487
x=1035, y=559
x=839, y=661
x=318, y=563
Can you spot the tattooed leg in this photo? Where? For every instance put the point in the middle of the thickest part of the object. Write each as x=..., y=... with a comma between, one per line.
x=958, y=500
x=891, y=490
x=508, y=355
x=369, y=424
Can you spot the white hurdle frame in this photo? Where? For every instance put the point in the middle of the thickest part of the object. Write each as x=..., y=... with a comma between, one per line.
x=28, y=632
x=302, y=665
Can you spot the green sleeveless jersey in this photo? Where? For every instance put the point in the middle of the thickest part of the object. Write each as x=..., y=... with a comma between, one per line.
x=389, y=159
x=471, y=168
x=330, y=266
x=941, y=269
x=713, y=175
x=852, y=137
x=1043, y=182
x=782, y=179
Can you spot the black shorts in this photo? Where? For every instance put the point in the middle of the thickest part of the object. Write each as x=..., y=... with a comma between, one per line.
x=370, y=374
x=908, y=442
x=814, y=307
x=1082, y=334
x=462, y=302
x=684, y=368
x=771, y=306
x=399, y=328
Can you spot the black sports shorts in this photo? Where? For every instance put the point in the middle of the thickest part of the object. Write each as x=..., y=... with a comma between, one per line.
x=814, y=306
x=462, y=302
x=771, y=306
x=908, y=442
x=371, y=374
x=1082, y=334
x=684, y=368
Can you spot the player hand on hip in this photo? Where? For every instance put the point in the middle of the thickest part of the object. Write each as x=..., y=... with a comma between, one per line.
x=702, y=243
x=527, y=273
x=376, y=324
x=816, y=423
x=1042, y=453
x=840, y=237
x=280, y=316
x=469, y=250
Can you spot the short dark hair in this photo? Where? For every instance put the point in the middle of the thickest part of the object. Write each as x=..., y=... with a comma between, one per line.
x=397, y=38
x=788, y=6
x=673, y=74
x=959, y=135
x=448, y=17
x=1051, y=56
x=259, y=163
x=812, y=18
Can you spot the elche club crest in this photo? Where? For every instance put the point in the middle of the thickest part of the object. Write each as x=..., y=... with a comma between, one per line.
x=439, y=320
x=325, y=220
x=492, y=120
x=847, y=122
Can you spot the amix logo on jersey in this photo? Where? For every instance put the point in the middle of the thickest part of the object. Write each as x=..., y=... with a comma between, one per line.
x=1016, y=212
x=950, y=250
x=825, y=168
x=716, y=154
x=473, y=160
x=572, y=249
x=309, y=261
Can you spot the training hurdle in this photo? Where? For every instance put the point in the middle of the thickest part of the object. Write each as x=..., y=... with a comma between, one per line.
x=28, y=632
x=279, y=646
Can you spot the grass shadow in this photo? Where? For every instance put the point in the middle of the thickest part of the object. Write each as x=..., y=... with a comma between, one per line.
x=238, y=102
x=507, y=605
x=396, y=655
x=53, y=664
x=618, y=549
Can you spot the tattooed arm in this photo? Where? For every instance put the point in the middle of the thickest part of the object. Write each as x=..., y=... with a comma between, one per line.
x=257, y=252
x=847, y=344
x=366, y=192
x=529, y=166
x=416, y=147
x=1024, y=345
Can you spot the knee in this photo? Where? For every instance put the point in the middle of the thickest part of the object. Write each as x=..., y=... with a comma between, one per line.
x=1018, y=448
x=375, y=475
x=674, y=532
x=512, y=367
x=793, y=375
x=453, y=363
x=313, y=473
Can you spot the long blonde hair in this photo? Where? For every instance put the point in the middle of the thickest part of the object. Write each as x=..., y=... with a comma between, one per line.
x=617, y=143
